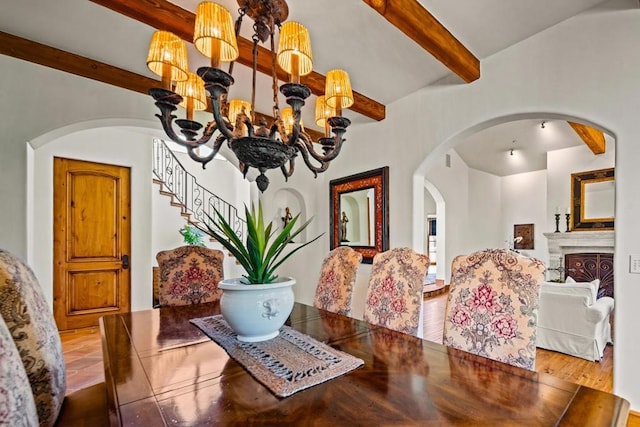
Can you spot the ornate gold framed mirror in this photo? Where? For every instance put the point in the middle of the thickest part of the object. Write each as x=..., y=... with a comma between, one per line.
x=593, y=200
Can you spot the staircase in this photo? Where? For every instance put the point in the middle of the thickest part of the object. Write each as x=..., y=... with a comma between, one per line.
x=196, y=203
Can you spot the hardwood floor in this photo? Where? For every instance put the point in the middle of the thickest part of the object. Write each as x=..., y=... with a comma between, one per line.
x=83, y=357
x=598, y=375
x=82, y=350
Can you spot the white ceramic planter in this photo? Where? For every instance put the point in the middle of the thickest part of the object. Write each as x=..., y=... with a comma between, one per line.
x=256, y=312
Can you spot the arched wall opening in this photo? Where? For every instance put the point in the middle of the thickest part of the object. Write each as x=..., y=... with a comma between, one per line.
x=441, y=225
x=122, y=142
x=436, y=155
x=455, y=242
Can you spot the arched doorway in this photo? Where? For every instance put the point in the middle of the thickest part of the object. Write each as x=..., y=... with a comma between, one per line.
x=460, y=234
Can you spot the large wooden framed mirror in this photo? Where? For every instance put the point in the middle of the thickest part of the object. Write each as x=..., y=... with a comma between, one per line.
x=593, y=200
x=359, y=212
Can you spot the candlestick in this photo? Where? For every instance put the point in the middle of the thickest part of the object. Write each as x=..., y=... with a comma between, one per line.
x=557, y=222
x=567, y=216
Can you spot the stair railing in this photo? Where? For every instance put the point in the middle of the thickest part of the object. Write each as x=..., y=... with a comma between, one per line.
x=195, y=199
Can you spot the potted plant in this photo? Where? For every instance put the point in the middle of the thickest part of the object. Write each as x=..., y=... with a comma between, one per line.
x=257, y=305
x=191, y=235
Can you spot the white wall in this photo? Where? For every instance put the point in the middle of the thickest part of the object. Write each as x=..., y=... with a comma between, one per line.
x=39, y=100
x=167, y=221
x=552, y=73
x=580, y=159
x=524, y=201
x=473, y=210
x=104, y=145
x=487, y=213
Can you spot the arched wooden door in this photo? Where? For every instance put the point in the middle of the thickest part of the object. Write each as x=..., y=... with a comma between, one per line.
x=91, y=242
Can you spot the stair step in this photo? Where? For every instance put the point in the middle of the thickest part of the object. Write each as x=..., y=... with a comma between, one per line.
x=186, y=214
x=161, y=151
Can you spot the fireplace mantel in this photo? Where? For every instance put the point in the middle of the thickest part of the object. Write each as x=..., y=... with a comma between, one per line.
x=580, y=241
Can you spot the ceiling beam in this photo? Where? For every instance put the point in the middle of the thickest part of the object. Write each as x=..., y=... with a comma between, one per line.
x=422, y=27
x=61, y=60
x=163, y=15
x=592, y=137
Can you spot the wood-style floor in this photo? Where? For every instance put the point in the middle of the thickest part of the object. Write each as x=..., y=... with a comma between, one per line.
x=83, y=357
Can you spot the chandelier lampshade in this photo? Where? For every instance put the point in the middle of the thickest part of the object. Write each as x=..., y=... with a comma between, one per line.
x=193, y=94
x=168, y=57
x=338, y=93
x=256, y=145
x=214, y=34
x=237, y=106
x=294, y=50
x=323, y=112
x=288, y=120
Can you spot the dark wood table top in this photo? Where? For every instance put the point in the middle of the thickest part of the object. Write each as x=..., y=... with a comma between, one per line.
x=162, y=370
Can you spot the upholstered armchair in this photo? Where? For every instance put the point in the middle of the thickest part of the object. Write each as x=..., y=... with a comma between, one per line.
x=394, y=295
x=492, y=308
x=36, y=341
x=189, y=275
x=573, y=321
x=337, y=277
x=34, y=332
x=17, y=407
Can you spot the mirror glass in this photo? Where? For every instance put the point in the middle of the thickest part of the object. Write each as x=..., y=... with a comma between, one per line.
x=599, y=199
x=593, y=200
x=358, y=212
x=357, y=217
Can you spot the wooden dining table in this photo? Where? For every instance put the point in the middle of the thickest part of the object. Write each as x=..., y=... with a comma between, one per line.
x=161, y=370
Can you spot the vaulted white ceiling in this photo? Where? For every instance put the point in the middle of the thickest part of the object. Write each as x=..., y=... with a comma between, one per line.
x=383, y=63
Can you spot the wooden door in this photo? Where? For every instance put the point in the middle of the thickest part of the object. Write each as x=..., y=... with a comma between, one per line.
x=91, y=242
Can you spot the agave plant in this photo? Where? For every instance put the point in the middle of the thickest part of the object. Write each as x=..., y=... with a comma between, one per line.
x=264, y=249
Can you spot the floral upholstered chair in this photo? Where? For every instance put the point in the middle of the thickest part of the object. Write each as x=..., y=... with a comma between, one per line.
x=337, y=277
x=189, y=275
x=17, y=407
x=34, y=332
x=492, y=309
x=394, y=296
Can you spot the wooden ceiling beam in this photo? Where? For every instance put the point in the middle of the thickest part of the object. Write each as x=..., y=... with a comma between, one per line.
x=163, y=15
x=592, y=137
x=61, y=60
x=422, y=27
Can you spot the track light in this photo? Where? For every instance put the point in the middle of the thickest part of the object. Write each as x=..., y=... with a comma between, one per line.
x=542, y=124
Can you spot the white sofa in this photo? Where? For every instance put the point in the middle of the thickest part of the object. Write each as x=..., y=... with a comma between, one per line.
x=571, y=320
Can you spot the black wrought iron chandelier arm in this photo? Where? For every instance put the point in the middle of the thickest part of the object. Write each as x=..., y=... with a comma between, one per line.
x=330, y=146
x=167, y=102
x=206, y=159
x=217, y=82
x=288, y=172
x=304, y=152
x=217, y=117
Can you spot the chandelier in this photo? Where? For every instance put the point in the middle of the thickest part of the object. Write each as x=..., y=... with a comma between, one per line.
x=255, y=144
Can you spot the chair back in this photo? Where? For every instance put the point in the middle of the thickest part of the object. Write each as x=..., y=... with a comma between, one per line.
x=35, y=334
x=337, y=277
x=189, y=275
x=18, y=407
x=492, y=308
x=394, y=295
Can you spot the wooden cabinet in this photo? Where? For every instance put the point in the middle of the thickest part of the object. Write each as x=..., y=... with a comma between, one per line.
x=586, y=267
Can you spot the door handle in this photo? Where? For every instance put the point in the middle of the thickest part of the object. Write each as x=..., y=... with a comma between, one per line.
x=125, y=262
